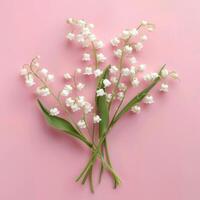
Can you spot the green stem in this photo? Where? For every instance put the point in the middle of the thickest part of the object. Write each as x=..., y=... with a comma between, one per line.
x=101, y=168
x=52, y=93
x=89, y=166
x=91, y=181
x=134, y=101
x=120, y=67
x=119, y=106
x=108, y=159
x=93, y=159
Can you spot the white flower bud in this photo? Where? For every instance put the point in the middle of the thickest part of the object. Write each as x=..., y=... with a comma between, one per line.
x=174, y=75
x=132, y=70
x=92, y=37
x=147, y=77
x=118, y=53
x=144, y=38
x=68, y=87
x=144, y=22
x=154, y=75
x=87, y=107
x=164, y=73
x=164, y=87
x=50, y=77
x=114, y=79
x=81, y=101
x=136, y=109
x=100, y=92
x=128, y=49
x=85, y=43
x=81, y=124
x=78, y=70
x=44, y=71
x=125, y=71
x=80, y=38
x=97, y=72
x=101, y=57
x=108, y=97
x=67, y=76
x=54, y=112
x=148, y=99
x=86, y=57
x=120, y=96
x=70, y=20
x=142, y=67
x=88, y=71
x=65, y=93
x=132, y=60
x=69, y=102
x=96, y=119
x=67, y=90
x=106, y=83
x=86, y=31
x=125, y=34
x=134, y=32
x=43, y=91
x=81, y=23
x=29, y=80
x=80, y=86
x=135, y=82
x=151, y=76
x=98, y=44
x=23, y=71
x=113, y=69
x=138, y=46
x=151, y=27
x=70, y=36
x=115, y=42
x=122, y=86
x=36, y=64
x=91, y=26
x=75, y=107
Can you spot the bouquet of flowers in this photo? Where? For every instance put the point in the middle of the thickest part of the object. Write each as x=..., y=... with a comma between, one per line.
x=113, y=82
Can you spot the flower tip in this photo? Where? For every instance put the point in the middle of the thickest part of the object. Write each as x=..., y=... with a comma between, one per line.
x=174, y=75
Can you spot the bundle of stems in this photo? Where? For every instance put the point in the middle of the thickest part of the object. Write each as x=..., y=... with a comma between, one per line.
x=112, y=85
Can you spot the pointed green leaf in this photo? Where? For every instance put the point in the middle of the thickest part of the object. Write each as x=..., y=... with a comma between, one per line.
x=138, y=98
x=102, y=105
x=62, y=124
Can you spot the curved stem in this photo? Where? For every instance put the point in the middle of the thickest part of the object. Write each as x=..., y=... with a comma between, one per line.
x=102, y=166
x=119, y=106
x=95, y=55
x=96, y=153
x=120, y=67
x=52, y=93
x=136, y=99
x=91, y=181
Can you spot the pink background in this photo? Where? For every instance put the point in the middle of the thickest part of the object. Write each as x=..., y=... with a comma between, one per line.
x=157, y=155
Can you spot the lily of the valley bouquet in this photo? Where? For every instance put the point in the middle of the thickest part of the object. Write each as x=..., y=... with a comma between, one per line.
x=113, y=82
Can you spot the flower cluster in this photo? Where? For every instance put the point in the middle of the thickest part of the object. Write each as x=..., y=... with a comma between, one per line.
x=113, y=81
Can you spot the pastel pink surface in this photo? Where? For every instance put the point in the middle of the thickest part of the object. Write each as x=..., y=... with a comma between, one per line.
x=155, y=153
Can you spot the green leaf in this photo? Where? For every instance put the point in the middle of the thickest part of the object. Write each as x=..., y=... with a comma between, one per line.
x=102, y=105
x=101, y=78
x=138, y=98
x=62, y=125
x=103, y=113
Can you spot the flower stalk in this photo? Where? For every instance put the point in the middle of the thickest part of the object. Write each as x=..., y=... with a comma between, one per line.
x=112, y=85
